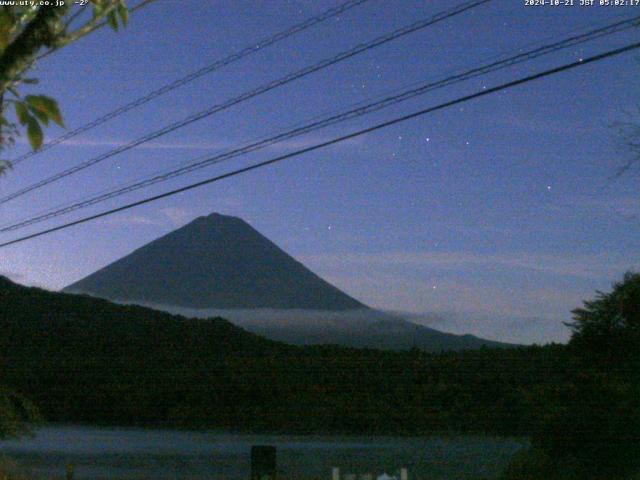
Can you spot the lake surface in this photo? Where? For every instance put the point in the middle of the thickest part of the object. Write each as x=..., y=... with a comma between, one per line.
x=119, y=453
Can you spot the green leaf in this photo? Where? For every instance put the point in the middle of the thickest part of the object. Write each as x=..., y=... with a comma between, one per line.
x=34, y=133
x=22, y=113
x=46, y=106
x=97, y=10
x=112, y=19
x=123, y=12
x=41, y=115
x=6, y=25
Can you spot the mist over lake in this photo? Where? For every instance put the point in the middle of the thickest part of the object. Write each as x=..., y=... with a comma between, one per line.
x=119, y=453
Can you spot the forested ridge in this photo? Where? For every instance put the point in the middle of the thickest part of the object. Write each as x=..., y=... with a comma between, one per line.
x=81, y=359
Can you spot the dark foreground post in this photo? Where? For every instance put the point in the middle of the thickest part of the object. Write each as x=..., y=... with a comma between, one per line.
x=263, y=462
x=69, y=471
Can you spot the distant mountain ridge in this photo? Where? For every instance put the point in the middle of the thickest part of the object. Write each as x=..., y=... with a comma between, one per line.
x=219, y=265
x=216, y=261
x=363, y=328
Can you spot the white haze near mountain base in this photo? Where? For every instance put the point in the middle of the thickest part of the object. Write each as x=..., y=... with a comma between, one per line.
x=317, y=323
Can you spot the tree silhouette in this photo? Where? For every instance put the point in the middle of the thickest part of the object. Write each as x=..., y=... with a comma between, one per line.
x=591, y=425
x=606, y=330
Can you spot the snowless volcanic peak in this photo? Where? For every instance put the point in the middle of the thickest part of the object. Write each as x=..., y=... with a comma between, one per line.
x=217, y=261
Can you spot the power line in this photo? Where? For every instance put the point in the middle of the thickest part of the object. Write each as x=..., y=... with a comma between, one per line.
x=419, y=113
x=358, y=49
x=204, y=161
x=218, y=64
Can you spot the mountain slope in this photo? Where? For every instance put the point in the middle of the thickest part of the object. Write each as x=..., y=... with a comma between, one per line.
x=221, y=266
x=362, y=328
x=216, y=261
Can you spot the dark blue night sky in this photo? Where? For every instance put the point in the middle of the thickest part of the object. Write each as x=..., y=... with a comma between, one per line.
x=500, y=214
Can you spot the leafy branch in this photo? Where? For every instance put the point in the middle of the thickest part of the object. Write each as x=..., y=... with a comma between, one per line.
x=25, y=31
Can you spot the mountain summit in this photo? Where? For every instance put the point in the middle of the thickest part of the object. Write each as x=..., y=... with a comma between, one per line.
x=221, y=266
x=216, y=261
